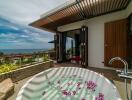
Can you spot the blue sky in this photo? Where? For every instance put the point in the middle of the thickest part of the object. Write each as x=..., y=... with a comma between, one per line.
x=15, y=15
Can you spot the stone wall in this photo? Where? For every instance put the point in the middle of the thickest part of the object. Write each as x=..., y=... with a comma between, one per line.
x=27, y=71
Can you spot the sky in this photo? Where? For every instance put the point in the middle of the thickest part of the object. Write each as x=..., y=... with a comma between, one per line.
x=15, y=15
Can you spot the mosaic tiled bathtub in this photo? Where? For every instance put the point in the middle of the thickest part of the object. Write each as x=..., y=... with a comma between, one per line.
x=68, y=83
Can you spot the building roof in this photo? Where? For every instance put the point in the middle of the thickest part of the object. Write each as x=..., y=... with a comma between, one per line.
x=77, y=10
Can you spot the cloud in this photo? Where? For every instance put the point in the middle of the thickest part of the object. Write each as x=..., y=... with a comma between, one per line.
x=17, y=36
x=24, y=36
x=15, y=28
x=26, y=11
x=9, y=35
x=15, y=15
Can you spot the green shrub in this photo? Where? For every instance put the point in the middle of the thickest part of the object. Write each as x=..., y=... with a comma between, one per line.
x=27, y=60
x=46, y=57
x=1, y=53
x=1, y=62
x=7, y=68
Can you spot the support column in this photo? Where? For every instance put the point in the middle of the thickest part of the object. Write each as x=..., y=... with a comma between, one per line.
x=71, y=47
x=56, y=39
x=61, y=47
x=84, y=45
x=77, y=43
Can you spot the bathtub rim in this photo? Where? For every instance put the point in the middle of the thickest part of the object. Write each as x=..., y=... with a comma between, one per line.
x=19, y=95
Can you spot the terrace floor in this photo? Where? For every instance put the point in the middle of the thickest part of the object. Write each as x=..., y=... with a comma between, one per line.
x=109, y=73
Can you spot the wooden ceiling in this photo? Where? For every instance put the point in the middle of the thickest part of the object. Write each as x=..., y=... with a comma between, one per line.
x=80, y=10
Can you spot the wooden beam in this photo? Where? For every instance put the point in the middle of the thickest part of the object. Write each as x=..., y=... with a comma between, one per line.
x=80, y=10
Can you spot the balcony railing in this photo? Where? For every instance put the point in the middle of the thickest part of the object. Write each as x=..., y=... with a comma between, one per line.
x=13, y=62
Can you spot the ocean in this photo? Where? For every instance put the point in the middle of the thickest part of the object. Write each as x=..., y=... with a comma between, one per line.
x=21, y=51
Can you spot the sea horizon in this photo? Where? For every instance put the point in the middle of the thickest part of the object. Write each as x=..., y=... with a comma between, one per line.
x=21, y=51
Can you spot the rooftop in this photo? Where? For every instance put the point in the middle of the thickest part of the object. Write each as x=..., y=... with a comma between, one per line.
x=77, y=10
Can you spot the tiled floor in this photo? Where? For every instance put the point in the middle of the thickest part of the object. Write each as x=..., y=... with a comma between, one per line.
x=121, y=88
x=18, y=86
x=110, y=74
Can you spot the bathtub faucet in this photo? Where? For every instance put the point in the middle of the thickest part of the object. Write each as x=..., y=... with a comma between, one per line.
x=124, y=74
x=123, y=61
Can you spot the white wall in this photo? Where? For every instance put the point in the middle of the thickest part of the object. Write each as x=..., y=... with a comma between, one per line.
x=96, y=34
x=129, y=9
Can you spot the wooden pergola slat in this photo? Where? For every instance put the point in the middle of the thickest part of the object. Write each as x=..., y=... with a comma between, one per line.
x=80, y=10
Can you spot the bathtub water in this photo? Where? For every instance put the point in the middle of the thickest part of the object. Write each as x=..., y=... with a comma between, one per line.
x=68, y=83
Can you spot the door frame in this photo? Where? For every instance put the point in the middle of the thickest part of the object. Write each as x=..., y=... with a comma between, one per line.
x=116, y=45
x=86, y=47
